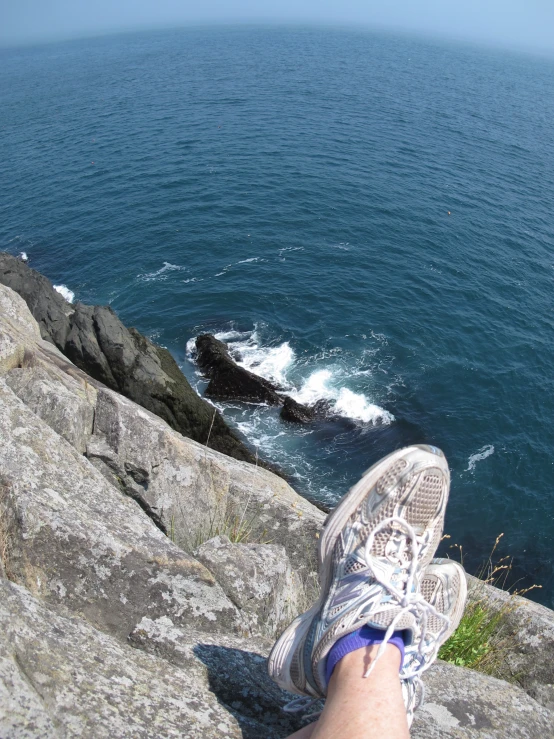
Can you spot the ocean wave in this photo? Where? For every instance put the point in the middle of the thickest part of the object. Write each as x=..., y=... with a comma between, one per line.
x=269, y=362
x=322, y=385
x=277, y=363
x=65, y=292
x=479, y=455
x=162, y=273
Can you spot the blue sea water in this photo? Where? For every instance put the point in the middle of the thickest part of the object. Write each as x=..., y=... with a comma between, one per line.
x=367, y=218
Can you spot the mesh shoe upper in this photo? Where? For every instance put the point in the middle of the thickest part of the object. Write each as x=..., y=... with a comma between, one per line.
x=399, y=504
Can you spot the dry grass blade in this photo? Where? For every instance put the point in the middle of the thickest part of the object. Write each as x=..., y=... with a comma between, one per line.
x=485, y=637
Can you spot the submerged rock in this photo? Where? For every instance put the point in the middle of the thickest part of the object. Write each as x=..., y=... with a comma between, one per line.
x=97, y=342
x=228, y=381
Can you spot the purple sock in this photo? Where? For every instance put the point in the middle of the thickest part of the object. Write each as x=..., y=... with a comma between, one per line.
x=367, y=636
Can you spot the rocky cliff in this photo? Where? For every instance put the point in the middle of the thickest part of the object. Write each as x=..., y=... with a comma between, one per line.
x=122, y=359
x=144, y=575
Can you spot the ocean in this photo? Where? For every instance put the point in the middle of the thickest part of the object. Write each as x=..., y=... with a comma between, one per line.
x=366, y=218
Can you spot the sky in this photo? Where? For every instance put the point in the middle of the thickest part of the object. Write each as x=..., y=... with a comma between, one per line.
x=525, y=24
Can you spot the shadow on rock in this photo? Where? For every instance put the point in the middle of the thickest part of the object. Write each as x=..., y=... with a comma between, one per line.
x=240, y=682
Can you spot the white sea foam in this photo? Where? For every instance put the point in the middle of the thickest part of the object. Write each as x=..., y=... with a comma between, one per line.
x=162, y=273
x=479, y=455
x=271, y=362
x=322, y=385
x=233, y=335
x=276, y=363
x=315, y=387
x=357, y=406
x=65, y=292
x=190, y=349
x=23, y=256
x=246, y=261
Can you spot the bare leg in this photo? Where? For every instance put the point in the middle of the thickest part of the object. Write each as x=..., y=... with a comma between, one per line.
x=304, y=733
x=365, y=708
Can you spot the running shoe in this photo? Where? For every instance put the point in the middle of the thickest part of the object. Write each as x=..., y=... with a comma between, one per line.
x=444, y=586
x=373, y=550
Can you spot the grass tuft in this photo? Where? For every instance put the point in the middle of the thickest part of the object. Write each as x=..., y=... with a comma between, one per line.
x=485, y=636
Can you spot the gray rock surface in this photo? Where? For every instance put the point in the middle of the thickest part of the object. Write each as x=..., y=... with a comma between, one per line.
x=528, y=628
x=97, y=342
x=77, y=542
x=66, y=406
x=235, y=669
x=464, y=704
x=194, y=492
x=257, y=578
x=17, y=329
x=59, y=677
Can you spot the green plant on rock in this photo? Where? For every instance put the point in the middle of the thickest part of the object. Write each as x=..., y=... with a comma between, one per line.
x=478, y=642
x=485, y=635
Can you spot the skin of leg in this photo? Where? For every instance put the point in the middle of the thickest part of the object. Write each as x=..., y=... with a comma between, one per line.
x=362, y=708
x=304, y=733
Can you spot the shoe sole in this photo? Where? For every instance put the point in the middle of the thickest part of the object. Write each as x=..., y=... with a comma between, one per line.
x=353, y=499
x=459, y=607
x=285, y=647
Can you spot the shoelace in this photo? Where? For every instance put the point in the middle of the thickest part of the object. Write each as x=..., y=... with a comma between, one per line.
x=410, y=601
x=299, y=705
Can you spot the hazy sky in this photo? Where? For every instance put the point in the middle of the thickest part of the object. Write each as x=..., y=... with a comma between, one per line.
x=520, y=23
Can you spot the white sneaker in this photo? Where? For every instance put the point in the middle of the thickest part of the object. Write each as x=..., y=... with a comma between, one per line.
x=444, y=586
x=373, y=550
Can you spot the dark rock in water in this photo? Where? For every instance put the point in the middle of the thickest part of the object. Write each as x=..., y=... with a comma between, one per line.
x=228, y=381
x=49, y=308
x=96, y=341
x=296, y=412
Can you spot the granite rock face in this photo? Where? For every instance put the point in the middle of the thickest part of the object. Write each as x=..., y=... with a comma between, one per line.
x=529, y=628
x=77, y=542
x=193, y=492
x=17, y=330
x=97, y=342
x=67, y=407
x=464, y=704
x=235, y=669
x=228, y=381
x=59, y=677
x=257, y=578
